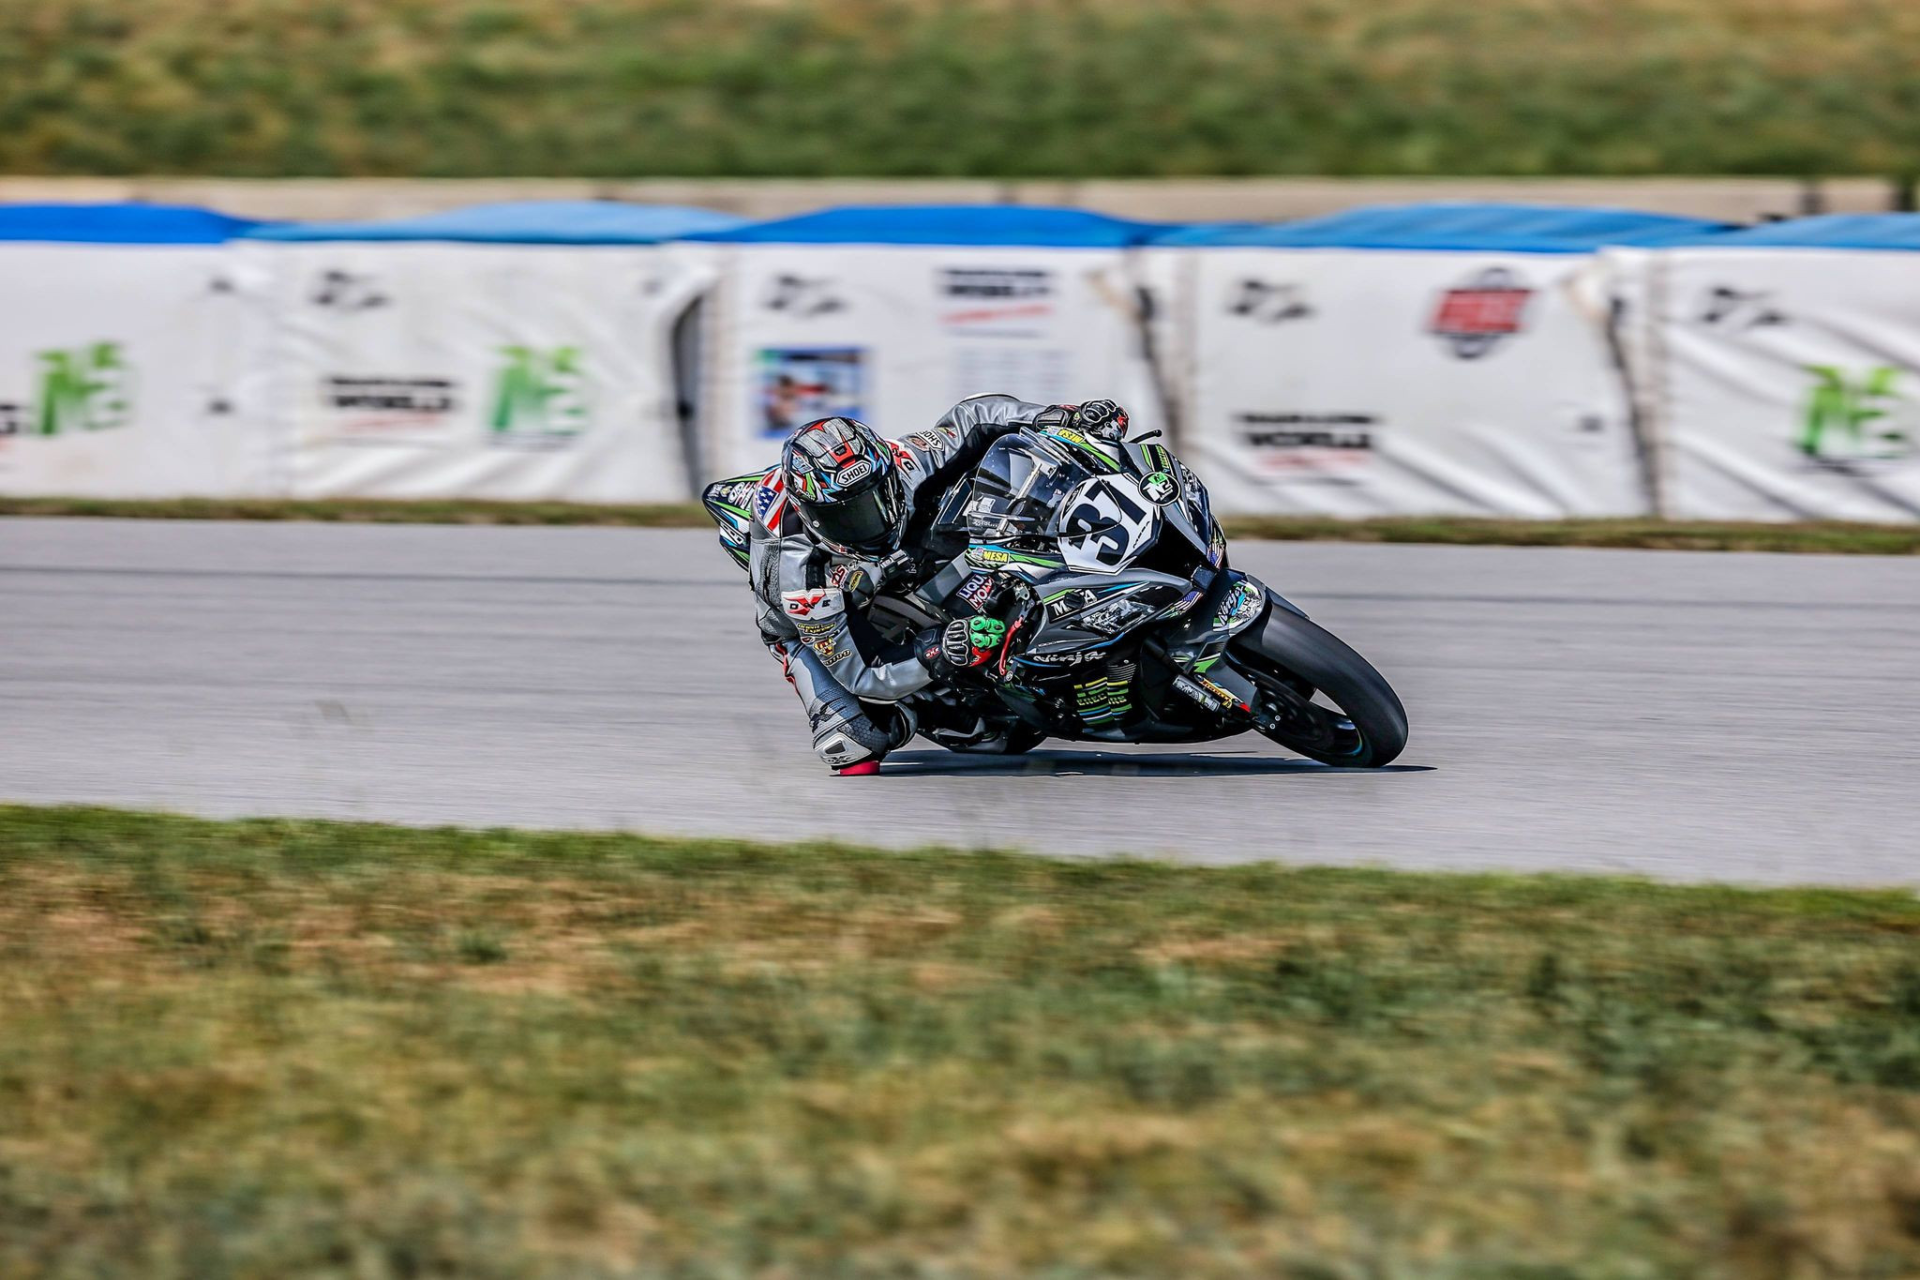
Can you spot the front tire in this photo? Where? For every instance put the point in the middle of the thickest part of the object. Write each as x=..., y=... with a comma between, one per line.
x=1290, y=659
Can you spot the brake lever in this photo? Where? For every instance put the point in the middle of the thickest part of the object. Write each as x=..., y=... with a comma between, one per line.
x=1145, y=435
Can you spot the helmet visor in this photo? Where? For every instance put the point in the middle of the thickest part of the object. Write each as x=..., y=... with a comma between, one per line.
x=867, y=519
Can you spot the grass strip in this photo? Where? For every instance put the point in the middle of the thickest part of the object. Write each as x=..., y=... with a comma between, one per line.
x=1042, y=88
x=293, y=1048
x=1829, y=538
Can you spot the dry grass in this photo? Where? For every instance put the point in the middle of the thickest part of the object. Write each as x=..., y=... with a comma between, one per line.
x=620, y=88
x=291, y=1048
x=1829, y=538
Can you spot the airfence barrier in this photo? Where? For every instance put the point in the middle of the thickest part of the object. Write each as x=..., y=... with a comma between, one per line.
x=1497, y=360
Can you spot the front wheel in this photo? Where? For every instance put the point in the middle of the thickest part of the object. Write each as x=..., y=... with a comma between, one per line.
x=1319, y=697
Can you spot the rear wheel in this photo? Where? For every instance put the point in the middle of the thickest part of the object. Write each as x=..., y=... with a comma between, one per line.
x=1317, y=696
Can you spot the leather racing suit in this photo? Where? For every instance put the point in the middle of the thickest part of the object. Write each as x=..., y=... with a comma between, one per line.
x=832, y=657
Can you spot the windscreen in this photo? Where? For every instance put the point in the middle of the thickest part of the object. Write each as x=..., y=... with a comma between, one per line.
x=1016, y=491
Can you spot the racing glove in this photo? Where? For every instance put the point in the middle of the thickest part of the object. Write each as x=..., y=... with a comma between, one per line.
x=961, y=645
x=865, y=581
x=861, y=588
x=1101, y=419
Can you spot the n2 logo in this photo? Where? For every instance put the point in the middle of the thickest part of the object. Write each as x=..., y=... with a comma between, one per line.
x=1107, y=522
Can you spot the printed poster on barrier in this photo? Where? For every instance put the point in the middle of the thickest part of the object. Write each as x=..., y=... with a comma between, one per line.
x=1382, y=382
x=1785, y=382
x=896, y=335
x=798, y=385
x=122, y=378
x=506, y=372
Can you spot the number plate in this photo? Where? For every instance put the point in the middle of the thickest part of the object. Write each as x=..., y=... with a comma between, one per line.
x=1105, y=523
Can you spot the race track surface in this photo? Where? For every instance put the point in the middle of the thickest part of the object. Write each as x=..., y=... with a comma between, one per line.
x=1740, y=717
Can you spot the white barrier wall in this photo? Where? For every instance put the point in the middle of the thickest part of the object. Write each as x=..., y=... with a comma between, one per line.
x=511, y=372
x=1362, y=382
x=1782, y=383
x=1723, y=377
x=122, y=371
x=896, y=334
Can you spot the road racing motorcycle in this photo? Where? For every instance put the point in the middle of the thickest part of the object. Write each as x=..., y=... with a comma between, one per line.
x=1124, y=621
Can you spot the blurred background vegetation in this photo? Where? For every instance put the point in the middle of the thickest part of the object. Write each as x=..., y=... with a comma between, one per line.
x=959, y=87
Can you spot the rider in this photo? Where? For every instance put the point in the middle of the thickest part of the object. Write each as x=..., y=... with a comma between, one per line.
x=838, y=520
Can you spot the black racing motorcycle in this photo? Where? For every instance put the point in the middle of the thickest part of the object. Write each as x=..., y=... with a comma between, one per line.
x=1124, y=621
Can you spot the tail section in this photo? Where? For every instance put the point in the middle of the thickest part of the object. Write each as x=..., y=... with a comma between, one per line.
x=730, y=503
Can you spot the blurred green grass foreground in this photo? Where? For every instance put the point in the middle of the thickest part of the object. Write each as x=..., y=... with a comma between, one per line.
x=278, y=1048
x=1068, y=88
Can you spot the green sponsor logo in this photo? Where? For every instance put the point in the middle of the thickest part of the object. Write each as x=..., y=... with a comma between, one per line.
x=86, y=388
x=539, y=393
x=1845, y=416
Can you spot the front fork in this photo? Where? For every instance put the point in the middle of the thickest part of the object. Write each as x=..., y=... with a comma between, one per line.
x=1235, y=602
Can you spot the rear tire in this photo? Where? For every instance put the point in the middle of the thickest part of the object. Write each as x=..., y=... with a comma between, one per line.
x=1289, y=659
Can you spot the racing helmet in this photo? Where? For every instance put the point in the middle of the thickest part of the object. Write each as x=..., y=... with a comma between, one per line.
x=845, y=486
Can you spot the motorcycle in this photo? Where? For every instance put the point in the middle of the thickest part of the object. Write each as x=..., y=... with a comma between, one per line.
x=1124, y=621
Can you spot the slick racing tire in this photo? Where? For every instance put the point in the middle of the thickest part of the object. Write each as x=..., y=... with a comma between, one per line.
x=1320, y=698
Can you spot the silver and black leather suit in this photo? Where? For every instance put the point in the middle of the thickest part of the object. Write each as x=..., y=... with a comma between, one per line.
x=833, y=657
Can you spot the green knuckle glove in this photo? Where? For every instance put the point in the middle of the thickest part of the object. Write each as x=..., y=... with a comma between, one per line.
x=968, y=644
x=986, y=633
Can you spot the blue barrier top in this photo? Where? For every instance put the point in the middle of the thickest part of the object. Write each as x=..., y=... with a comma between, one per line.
x=1895, y=231
x=522, y=222
x=1509, y=228
x=118, y=224
x=964, y=224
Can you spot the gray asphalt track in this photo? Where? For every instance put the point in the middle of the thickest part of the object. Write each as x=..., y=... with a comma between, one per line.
x=1739, y=717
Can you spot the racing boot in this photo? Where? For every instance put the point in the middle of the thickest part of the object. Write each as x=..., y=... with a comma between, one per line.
x=844, y=735
x=852, y=741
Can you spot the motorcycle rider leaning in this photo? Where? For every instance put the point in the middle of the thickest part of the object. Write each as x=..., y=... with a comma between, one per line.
x=840, y=517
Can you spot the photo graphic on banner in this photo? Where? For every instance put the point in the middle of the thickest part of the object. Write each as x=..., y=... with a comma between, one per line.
x=800, y=384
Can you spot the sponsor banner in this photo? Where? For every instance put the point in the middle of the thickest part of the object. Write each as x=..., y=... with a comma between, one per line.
x=511, y=372
x=1375, y=382
x=124, y=372
x=1784, y=383
x=895, y=334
